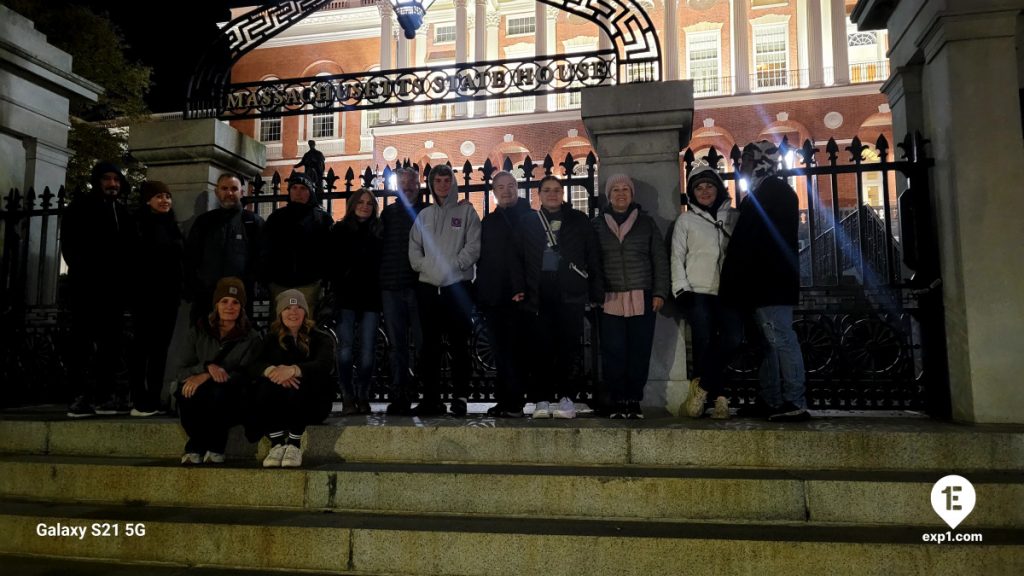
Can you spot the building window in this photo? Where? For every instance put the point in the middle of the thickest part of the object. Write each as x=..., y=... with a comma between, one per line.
x=515, y=25
x=702, y=56
x=444, y=33
x=270, y=129
x=866, y=50
x=579, y=199
x=322, y=126
x=771, y=55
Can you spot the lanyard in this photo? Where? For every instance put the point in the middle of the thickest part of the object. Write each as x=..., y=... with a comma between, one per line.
x=552, y=239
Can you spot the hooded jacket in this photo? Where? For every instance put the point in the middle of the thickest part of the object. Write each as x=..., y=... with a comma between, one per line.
x=639, y=261
x=444, y=243
x=297, y=236
x=497, y=249
x=700, y=239
x=97, y=237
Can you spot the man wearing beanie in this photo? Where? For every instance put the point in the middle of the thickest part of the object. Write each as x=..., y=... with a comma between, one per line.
x=96, y=235
x=444, y=245
x=297, y=236
x=226, y=241
x=761, y=273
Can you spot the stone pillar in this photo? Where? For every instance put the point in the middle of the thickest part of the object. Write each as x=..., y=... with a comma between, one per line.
x=639, y=129
x=671, y=28
x=741, y=47
x=402, y=61
x=480, y=50
x=386, y=33
x=461, y=27
x=815, y=60
x=840, y=44
x=189, y=155
x=540, y=45
x=972, y=114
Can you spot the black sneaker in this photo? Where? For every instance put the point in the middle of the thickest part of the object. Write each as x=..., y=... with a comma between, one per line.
x=502, y=411
x=112, y=407
x=458, y=407
x=633, y=411
x=619, y=411
x=399, y=408
x=790, y=413
x=429, y=409
x=755, y=410
x=80, y=408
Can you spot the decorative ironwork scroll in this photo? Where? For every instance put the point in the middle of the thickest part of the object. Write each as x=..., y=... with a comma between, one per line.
x=636, y=57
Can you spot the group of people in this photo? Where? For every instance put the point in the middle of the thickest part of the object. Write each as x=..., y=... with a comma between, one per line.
x=423, y=267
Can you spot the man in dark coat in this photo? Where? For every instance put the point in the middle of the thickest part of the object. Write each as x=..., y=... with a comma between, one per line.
x=494, y=287
x=761, y=273
x=96, y=235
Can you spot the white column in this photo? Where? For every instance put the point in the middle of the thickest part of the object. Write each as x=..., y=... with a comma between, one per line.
x=540, y=46
x=461, y=27
x=671, y=28
x=741, y=47
x=815, y=60
x=840, y=48
x=386, y=14
x=480, y=50
x=402, y=61
x=493, y=22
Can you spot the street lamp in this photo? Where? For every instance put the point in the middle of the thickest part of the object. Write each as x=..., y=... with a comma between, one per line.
x=410, y=14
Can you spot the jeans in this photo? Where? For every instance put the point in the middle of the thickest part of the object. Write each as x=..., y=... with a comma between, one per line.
x=504, y=324
x=347, y=321
x=626, y=354
x=717, y=332
x=782, y=355
x=401, y=315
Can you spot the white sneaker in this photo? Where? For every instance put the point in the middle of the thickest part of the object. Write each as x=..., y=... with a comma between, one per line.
x=543, y=410
x=721, y=409
x=192, y=458
x=292, y=457
x=694, y=405
x=565, y=409
x=143, y=413
x=214, y=458
x=273, y=459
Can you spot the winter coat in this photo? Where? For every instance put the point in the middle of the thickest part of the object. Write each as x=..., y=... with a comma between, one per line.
x=579, y=266
x=444, y=243
x=497, y=248
x=223, y=242
x=395, y=271
x=317, y=366
x=639, y=262
x=204, y=346
x=297, y=236
x=354, y=267
x=158, y=268
x=700, y=237
x=761, y=266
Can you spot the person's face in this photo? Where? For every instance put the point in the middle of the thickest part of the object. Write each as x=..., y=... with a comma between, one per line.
x=110, y=183
x=442, y=185
x=292, y=317
x=298, y=193
x=551, y=195
x=160, y=203
x=620, y=197
x=229, y=192
x=705, y=193
x=410, y=186
x=747, y=165
x=506, y=191
x=364, y=207
x=228, y=308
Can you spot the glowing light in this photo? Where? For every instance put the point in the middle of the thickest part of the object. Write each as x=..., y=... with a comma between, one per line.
x=744, y=185
x=789, y=159
x=392, y=183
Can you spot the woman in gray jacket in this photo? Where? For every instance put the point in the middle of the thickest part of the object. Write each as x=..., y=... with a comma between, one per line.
x=636, y=284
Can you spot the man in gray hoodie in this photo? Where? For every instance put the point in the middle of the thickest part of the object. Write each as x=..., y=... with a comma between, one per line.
x=444, y=245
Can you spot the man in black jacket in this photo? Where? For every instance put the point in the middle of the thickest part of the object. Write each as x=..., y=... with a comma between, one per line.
x=398, y=288
x=495, y=292
x=761, y=273
x=96, y=235
x=226, y=241
x=557, y=272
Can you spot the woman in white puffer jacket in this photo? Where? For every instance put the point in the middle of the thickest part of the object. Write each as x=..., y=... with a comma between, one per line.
x=699, y=241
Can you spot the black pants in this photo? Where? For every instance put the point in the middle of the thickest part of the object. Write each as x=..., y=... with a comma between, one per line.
x=445, y=313
x=275, y=408
x=97, y=323
x=626, y=354
x=557, y=348
x=154, y=325
x=208, y=415
x=717, y=332
x=507, y=338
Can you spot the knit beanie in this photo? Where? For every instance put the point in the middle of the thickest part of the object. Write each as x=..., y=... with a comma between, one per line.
x=289, y=297
x=229, y=286
x=152, y=188
x=616, y=179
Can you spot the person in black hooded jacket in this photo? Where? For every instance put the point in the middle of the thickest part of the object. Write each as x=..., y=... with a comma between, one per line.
x=296, y=235
x=96, y=234
x=157, y=291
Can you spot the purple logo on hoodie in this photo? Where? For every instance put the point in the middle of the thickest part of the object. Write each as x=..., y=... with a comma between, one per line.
x=456, y=222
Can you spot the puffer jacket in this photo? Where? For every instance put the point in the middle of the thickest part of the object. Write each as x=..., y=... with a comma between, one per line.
x=444, y=243
x=639, y=261
x=700, y=238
